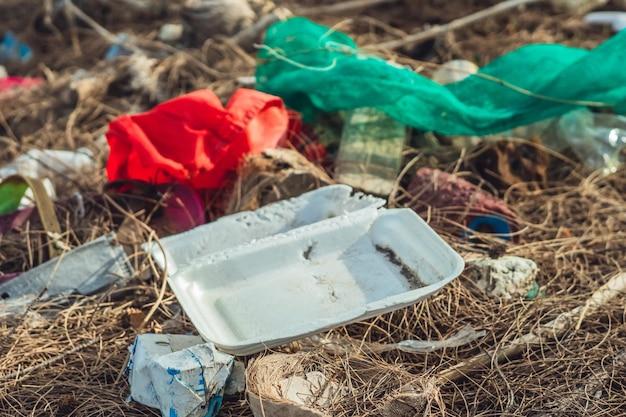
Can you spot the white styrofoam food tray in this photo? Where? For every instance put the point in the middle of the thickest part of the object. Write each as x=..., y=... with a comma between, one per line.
x=181, y=250
x=339, y=270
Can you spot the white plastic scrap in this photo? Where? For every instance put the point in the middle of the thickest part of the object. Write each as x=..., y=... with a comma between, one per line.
x=38, y=163
x=181, y=375
x=506, y=277
x=617, y=20
x=454, y=71
x=85, y=269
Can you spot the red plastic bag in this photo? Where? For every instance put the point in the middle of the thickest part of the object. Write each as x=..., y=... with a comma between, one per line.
x=193, y=139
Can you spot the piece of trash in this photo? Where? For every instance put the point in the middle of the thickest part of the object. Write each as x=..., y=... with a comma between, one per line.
x=454, y=71
x=315, y=68
x=193, y=139
x=247, y=81
x=275, y=174
x=597, y=139
x=313, y=278
x=85, y=270
x=42, y=163
x=464, y=336
x=209, y=18
x=617, y=20
x=9, y=86
x=171, y=32
x=14, y=50
x=577, y=7
x=12, y=191
x=277, y=385
x=341, y=345
x=461, y=201
x=236, y=383
x=177, y=207
x=506, y=277
x=180, y=375
x=118, y=49
x=370, y=153
x=185, y=249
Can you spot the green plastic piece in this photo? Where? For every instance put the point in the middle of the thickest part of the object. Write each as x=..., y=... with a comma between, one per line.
x=314, y=68
x=370, y=153
x=11, y=193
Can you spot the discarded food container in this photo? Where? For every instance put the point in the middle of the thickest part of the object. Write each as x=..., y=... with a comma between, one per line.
x=14, y=50
x=506, y=277
x=185, y=249
x=370, y=153
x=333, y=272
x=85, y=269
x=180, y=375
x=278, y=385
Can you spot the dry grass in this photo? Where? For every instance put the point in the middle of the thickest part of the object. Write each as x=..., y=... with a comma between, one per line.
x=64, y=357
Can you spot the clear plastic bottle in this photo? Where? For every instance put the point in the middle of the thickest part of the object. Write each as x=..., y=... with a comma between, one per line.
x=598, y=139
x=370, y=153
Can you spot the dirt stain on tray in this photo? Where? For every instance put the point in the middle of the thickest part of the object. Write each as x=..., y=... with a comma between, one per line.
x=410, y=275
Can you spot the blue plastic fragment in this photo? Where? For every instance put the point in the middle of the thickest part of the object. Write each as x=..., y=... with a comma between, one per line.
x=14, y=50
x=491, y=224
x=118, y=49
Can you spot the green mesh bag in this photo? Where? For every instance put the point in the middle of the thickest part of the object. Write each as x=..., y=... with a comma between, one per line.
x=316, y=69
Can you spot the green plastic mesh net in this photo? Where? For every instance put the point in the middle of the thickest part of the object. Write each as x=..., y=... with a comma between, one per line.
x=314, y=68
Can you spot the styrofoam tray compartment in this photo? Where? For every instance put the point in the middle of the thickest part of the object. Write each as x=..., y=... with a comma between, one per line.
x=181, y=250
x=344, y=269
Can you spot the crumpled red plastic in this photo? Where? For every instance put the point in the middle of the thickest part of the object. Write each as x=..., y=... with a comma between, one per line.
x=193, y=139
x=9, y=85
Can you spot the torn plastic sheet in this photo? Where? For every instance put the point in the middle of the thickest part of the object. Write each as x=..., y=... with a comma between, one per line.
x=85, y=270
x=343, y=345
x=178, y=374
x=183, y=249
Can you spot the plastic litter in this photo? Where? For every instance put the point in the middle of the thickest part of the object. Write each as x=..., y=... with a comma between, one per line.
x=9, y=86
x=209, y=18
x=192, y=139
x=118, y=49
x=42, y=163
x=464, y=336
x=370, y=153
x=597, y=139
x=461, y=201
x=577, y=6
x=85, y=270
x=314, y=68
x=14, y=220
x=171, y=32
x=180, y=375
x=506, y=277
x=184, y=249
x=617, y=20
x=279, y=386
x=314, y=278
x=12, y=50
x=454, y=71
